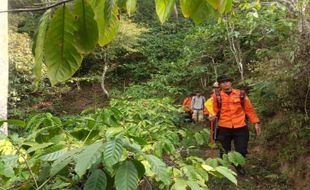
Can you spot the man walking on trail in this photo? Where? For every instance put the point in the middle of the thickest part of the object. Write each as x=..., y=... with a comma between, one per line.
x=198, y=106
x=233, y=108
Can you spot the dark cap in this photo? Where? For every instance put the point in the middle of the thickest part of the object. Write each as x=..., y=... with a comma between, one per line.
x=223, y=78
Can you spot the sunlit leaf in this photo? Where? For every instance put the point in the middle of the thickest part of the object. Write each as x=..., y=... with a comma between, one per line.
x=87, y=33
x=38, y=46
x=131, y=6
x=126, y=177
x=96, y=181
x=164, y=9
x=61, y=49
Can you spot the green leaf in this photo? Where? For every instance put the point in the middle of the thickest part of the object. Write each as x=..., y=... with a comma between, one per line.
x=96, y=181
x=131, y=6
x=229, y=5
x=180, y=184
x=61, y=48
x=228, y=173
x=126, y=177
x=38, y=46
x=198, y=10
x=90, y=155
x=236, y=158
x=87, y=33
x=194, y=185
x=159, y=168
x=164, y=9
x=199, y=138
x=140, y=168
x=16, y=122
x=186, y=7
x=63, y=161
x=113, y=152
x=54, y=155
x=38, y=147
x=6, y=170
x=107, y=18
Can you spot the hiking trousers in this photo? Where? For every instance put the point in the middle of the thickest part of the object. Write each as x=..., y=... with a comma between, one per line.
x=240, y=137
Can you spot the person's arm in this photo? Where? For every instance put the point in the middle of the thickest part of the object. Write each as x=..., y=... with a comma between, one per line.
x=250, y=112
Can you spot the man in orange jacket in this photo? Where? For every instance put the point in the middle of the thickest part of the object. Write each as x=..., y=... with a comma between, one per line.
x=232, y=115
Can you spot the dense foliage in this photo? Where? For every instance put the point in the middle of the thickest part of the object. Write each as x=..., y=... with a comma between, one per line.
x=151, y=67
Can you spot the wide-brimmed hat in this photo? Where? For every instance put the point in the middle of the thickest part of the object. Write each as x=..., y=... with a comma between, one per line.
x=223, y=78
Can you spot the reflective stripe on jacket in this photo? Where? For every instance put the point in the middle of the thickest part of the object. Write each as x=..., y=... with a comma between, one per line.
x=232, y=114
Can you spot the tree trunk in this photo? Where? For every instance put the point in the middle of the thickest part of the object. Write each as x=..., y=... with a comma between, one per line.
x=4, y=65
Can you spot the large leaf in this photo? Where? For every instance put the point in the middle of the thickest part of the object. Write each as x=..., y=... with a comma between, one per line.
x=38, y=46
x=88, y=157
x=236, y=158
x=180, y=184
x=131, y=6
x=228, y=173
x=159, y=168
x=61, y=49
x=126, y=177
x=87, y=34
x=96, y=181
x=198, y=10
x=63, y=161
x=54, y=155
x=164, y=9
x=113, y=152
x=107, y=18
x=219, y=5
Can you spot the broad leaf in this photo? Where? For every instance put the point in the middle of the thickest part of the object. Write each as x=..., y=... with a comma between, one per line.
x=107, y=18
x=198, y=10
x=199, y=138
x=96, y=181
x=88, y=157
x=131, y=6
x=180, y=184
x=164, y=9
x=87, y=34
x=38, y=46
x=113, y=152
x=159, y=168
x=54, y=155
x=236, y=158
x=16, y=122
x=36, y=147
x=63, y=161
x=221, y=5
x=228, y=173
x=61, y=49
x=126, y=177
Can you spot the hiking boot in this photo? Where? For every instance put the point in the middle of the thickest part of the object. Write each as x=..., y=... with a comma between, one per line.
x=240, y=170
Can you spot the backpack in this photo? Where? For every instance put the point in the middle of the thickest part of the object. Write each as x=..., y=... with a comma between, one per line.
x=219, y=101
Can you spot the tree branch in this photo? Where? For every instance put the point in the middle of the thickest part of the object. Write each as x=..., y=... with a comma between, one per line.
x=34, y=9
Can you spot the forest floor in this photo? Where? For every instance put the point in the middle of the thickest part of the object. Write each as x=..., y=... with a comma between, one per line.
x=260, y=174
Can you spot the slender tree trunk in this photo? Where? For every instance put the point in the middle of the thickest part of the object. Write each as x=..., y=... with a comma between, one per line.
x=4, y=65
x=234, y=45
x=106, y=66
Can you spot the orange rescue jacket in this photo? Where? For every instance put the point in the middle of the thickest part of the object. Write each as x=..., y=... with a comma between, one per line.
x=187, y=103
x=232, y=114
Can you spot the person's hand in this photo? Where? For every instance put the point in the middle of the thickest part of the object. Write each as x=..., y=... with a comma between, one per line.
x=212, y=117
x=258, y=129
